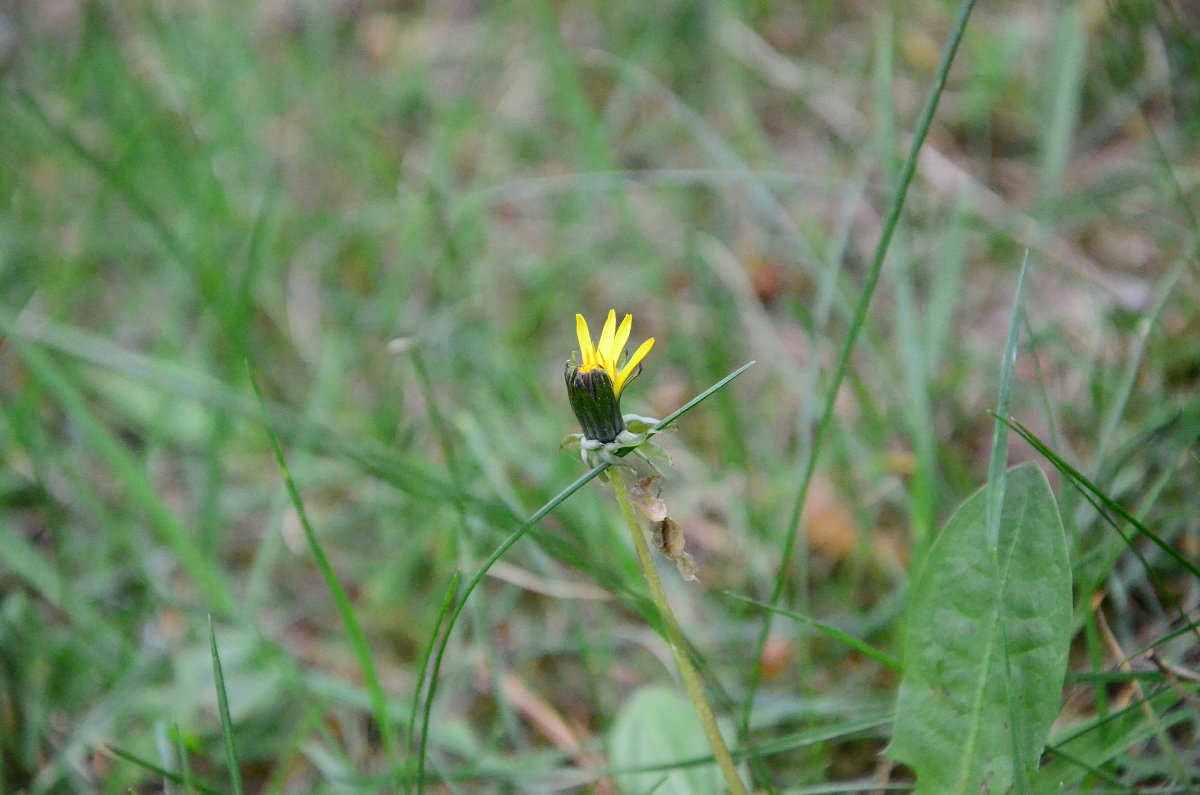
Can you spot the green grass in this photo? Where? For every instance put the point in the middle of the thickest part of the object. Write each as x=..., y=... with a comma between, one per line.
x=386, y=217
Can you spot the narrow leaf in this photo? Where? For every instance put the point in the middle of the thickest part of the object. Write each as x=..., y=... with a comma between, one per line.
x=1000, y=433
x=354, y=633
x=235, y=775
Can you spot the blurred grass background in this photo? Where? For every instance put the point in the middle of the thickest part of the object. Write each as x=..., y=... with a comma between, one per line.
x=391, y=211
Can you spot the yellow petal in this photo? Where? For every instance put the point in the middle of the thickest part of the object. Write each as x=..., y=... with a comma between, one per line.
x=631, y=366
x=585, y=342
x=618, y=343
x=604, y=347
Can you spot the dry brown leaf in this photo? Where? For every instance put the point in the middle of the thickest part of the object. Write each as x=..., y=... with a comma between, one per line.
x=644, y=495
x=668, y=537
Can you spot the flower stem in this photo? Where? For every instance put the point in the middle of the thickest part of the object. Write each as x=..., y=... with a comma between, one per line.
x=687, y=672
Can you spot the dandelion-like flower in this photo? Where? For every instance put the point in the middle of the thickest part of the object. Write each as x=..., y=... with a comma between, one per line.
x=622, y=441
x=594, y=387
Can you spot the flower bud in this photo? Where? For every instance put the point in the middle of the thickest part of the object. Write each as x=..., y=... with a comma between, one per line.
x=594, y=403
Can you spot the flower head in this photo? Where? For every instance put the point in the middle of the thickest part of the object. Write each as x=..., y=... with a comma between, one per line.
x=606, y=353
x=594, y=387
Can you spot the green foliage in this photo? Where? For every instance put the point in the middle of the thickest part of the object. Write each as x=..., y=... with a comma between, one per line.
x=389, y=214
x=985, y=643
x=235, y=773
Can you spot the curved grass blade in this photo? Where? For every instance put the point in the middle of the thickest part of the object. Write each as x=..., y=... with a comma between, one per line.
x=424, y=669
x=515, y=536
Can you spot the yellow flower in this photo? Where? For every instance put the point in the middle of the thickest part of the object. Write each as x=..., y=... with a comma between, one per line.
x=605, y=355
x=594, y=387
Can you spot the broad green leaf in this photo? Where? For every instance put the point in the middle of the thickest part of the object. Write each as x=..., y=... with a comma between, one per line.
x=985, y=644
x=657, y=728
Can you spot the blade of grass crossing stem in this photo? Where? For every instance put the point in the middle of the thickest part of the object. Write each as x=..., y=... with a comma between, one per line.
x=515, y=536
x=855, y=329
x=354, y=633
x=465, y=543
x=999, y=459
x=235, y=775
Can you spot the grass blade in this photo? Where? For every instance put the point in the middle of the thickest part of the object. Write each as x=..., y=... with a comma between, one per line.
x=831, y=631
x=354, y=633
x=129, y=472
x=423, y=671
x=406, y=475
x=185, y=769
x=1102, y=501
x=235, y=775
x=999, y=457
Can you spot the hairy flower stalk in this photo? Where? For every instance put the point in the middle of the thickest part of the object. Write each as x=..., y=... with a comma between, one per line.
x=594, y=389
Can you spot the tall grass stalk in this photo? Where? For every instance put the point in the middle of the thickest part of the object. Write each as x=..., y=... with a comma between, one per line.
x=856, y=327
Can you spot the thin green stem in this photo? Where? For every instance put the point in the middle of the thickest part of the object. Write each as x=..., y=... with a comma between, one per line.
x=687, y=672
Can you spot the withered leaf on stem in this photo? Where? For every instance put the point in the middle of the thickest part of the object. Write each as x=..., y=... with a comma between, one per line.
x=668, y=537
x=644, y=495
